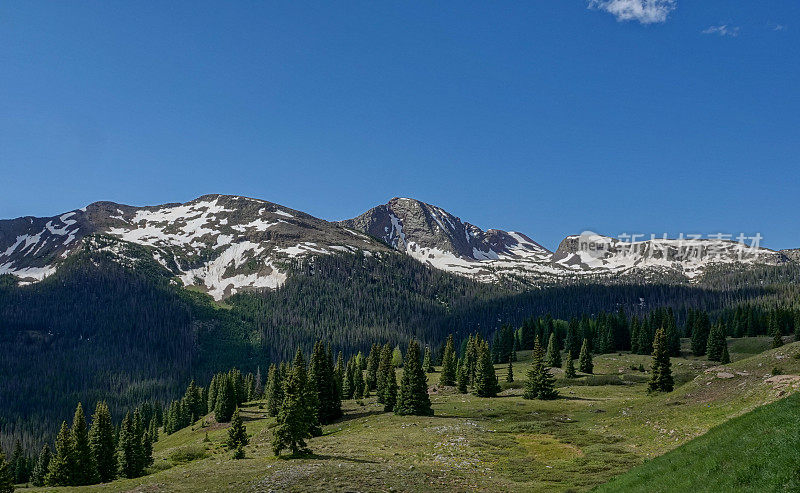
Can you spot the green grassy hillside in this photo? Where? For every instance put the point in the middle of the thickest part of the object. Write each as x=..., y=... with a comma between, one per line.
x=758, y=452
x=601, y=427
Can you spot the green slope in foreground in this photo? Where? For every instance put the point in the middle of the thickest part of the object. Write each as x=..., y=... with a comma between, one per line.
x=759, y=452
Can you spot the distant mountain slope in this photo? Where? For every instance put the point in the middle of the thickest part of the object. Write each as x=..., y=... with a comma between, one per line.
x=436, y=237
x=220, y=244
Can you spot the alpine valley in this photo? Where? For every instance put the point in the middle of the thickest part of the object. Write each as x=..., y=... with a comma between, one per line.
x=129, y=304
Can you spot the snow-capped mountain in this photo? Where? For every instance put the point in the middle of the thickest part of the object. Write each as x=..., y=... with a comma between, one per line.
x=224, y=244
x=436, y=237
x=220, y=244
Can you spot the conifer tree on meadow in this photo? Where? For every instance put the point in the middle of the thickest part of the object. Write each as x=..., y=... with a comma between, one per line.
x=42, y=464
x=510, y=372
x=635, y=336
x=700, y=332
x=390, y=395
x=294, y=426
x=777, y=336
x=448, y=375
x=237, y=432
x=358, y=382
x=485, y=377
x=324, y=384
x=102, y=445
x=462, y=377
x=726, y=358
x=274, y=390
x=373, y=360
x=427, y=363
x=661, y=378
x=585, y=363
x=338, y=372
x=569, y=371
x=60, y=472
x=6, y=478
x=540, y=383
x=716, y=343
x=397, y=357
x=553, y=352
x=385, y=369
x=226, y=400
x=83, y=466
x=413, y=397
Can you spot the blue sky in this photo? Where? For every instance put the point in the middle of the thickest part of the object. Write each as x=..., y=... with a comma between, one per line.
x=619, y=116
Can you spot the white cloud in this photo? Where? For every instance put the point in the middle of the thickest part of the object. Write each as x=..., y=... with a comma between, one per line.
x=779, y=27
x=644, y=11
x=723, y=30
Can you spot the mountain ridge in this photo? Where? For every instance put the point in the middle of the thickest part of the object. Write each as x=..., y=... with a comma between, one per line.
x=224, y=244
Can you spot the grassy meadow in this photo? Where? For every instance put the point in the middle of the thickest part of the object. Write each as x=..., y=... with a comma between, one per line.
x=601, y=427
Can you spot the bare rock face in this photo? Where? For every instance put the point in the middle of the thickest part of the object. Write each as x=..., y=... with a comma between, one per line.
x=411, y=226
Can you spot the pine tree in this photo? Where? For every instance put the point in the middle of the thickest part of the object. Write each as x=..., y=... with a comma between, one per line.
x=358, y=382
x=373, y=361
x=101, y=443
x=661, y=378
x=384, y=370
x=226, y=400
x=338, y=373
x=143, y=448
x=397, y=357
x=348, y=384
x=510, y=372
x=40, y=468
x=42, y=464
x=673, y=336
x=532, y=385
x=258, y=387
x=585, y=363
x=726, y=358
x=716, y=343
x=128, y=449
x=239, y=454
x=448, y=375
x=324, y=384
x=84, y=467
x=485, y=377
x=293, y=419
x=310, y=399
x=569, y=372
x=390, y=395
x=700, y=332
x=19, y=464
x=274, y=390
x=6, y=478
x=635, y=336
x=777, y=335
x=427, y=364
x=413, y=397
x=572, y=340
x=237, y=432
x=540, y=384
x=553, y=352
x=62, y=464
x=462, y=377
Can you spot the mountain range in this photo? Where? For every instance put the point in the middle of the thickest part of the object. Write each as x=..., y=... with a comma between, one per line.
x=222, y=244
